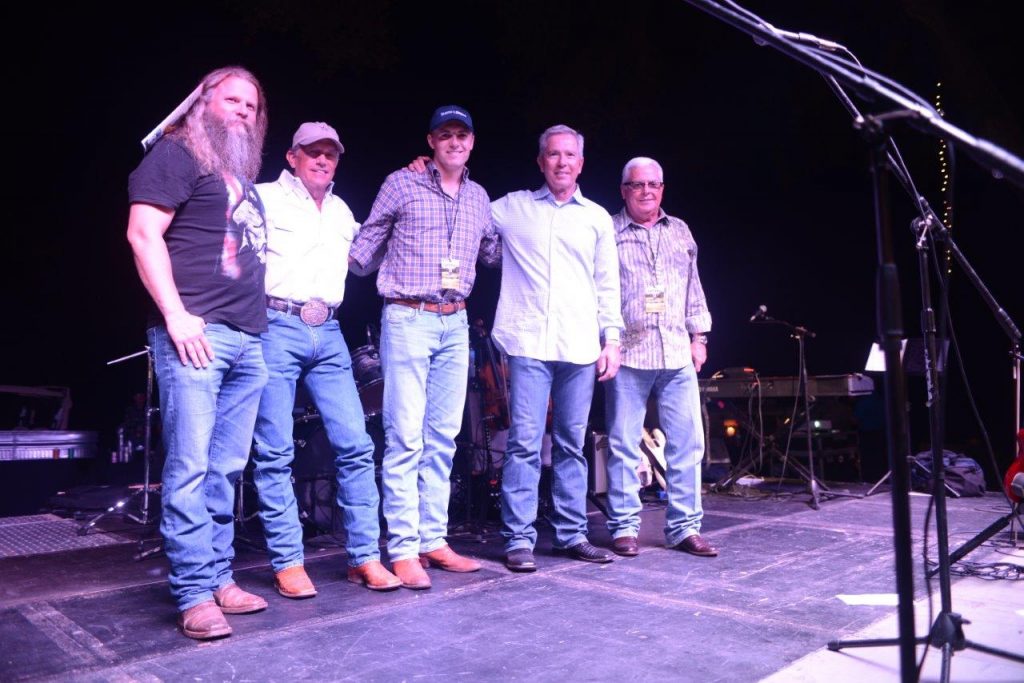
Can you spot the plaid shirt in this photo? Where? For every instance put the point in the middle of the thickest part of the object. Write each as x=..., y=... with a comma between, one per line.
x=665, y=255
x=419, y=225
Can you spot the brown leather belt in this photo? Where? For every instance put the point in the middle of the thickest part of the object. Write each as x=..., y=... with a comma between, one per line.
x=441, y=308
x=314, y=312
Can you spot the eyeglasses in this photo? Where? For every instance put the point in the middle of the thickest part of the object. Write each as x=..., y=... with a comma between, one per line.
x=638, y=186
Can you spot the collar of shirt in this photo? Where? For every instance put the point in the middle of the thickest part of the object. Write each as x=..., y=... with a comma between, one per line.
x=627, y=221
x=434, y=173
x=288, y=180
x=577, y=196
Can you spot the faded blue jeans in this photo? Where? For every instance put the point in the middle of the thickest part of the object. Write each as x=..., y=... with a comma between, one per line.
x=425, y=358
x=319, y=358
x=678, y=400
x=571, y=388
x=208, y=417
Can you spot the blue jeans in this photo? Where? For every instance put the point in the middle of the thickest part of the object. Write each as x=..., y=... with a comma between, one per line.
x=425, y=358
x=208, y=417
x=678, y=402
x=571, y=388
x=318, y=357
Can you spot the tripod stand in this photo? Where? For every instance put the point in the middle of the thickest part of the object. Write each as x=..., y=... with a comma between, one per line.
x=820, y=55
x=1014, y=334
x=817, y=489
x=946, y=631
x=766, y=445
x=144, y=518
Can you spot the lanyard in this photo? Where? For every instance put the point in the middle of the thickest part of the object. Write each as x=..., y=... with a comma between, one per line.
x=651, y=253
x=450, y=222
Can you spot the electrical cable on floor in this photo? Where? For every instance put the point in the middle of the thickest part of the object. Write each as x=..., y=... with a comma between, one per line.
x=990, y=571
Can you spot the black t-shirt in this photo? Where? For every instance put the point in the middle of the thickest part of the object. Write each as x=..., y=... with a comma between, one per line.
x=217, y=239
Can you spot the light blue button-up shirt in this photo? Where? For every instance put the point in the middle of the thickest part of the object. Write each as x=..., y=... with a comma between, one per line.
x=560, y=277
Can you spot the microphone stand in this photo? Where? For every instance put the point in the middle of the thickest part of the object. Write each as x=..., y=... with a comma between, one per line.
x=818, y=489
x=946, y=630
x=800, y=334
x=144, y=518
x=941, y=233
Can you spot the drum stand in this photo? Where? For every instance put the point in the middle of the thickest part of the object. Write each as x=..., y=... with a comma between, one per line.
x=241, y=518
x=143, y=517
x=474, y=521
x=484, y=356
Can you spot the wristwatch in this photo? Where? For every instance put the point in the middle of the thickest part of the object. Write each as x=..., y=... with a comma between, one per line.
x=700, y=338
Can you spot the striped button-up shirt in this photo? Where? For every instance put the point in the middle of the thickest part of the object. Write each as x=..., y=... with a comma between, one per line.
x=665, y=256
x=559, y=279
x=419, y=225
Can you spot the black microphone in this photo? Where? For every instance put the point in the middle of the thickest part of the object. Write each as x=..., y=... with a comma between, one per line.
x=759, y=313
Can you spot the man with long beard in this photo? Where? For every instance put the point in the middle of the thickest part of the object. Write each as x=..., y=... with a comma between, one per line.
x=198, y=234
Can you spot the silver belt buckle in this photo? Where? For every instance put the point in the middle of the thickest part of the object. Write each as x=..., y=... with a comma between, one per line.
x=314, y=312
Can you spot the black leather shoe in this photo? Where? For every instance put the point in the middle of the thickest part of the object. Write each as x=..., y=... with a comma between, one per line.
x=588, y=553
x=696, y=545
x=625, y=546
x=521, y=560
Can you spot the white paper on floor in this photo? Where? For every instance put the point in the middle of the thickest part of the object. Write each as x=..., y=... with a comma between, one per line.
x=885, y=599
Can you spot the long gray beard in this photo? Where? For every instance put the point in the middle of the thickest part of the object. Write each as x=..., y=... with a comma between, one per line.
x=237, y=150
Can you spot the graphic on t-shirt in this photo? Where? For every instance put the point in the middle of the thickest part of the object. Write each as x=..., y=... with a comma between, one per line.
x=244, y=227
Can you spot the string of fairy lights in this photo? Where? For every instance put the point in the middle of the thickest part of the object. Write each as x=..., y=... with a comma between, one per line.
x=946, y=184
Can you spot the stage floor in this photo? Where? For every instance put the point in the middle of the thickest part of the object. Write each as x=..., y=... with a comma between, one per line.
x=764, y=608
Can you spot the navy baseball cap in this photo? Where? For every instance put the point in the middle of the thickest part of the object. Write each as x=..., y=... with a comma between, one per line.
x=450, y=112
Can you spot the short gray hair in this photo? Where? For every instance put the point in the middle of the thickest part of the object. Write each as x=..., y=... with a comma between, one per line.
x=559, y=130
x=639, y=162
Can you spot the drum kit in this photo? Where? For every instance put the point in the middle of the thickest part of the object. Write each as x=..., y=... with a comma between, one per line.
x=369, y=379
x=313, y=469
x=486, y=409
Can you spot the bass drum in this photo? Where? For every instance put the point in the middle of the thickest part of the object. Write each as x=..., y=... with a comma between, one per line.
x=369, y=379
x=313, y=473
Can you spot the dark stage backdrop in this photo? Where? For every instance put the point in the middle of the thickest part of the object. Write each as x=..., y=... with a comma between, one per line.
x=759, y=157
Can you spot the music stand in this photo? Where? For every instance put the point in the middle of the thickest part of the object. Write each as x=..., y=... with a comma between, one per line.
x=912, y=353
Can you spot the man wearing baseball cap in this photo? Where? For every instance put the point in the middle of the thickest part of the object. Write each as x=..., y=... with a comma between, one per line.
x=310, y=230
x=435, y=225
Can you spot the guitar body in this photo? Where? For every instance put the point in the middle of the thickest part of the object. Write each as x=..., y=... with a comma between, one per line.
x=653, y=446
x=1016, y=468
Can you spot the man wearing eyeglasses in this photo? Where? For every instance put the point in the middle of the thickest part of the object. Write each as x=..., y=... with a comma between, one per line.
x=663, y=347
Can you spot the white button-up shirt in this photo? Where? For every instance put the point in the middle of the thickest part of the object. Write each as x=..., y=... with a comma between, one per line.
x=559, y=279
x=307, y=248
